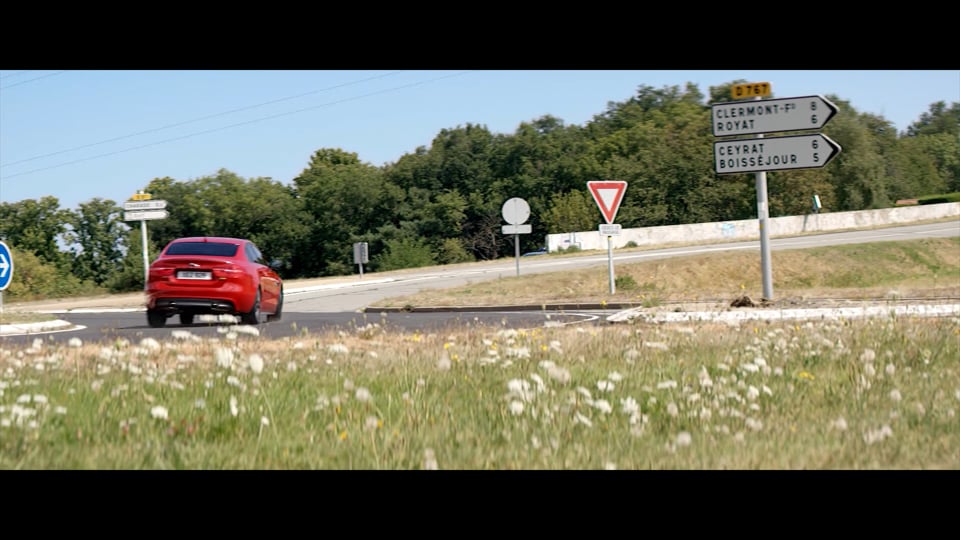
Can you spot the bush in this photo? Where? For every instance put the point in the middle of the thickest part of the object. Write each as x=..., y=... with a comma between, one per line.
x=35, y=280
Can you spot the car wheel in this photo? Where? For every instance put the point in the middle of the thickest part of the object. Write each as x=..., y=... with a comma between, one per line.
x=279, y=312
x=186, y=318
x=156, y=319
x=252, y=316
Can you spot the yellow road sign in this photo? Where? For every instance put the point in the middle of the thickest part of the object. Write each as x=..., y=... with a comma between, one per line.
x=749, y=90
x=141, y=197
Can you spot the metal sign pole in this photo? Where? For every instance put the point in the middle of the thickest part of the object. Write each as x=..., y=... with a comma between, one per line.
x=763, y=214
x=146, y=259
x=516, y=251
x=610, y=262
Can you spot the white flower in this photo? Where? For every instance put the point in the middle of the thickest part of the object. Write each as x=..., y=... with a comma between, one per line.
x=348, y=385
x=256, y=363
x=752, y=392
x=60, y=409
x=869, y=370
x=224, y=357
x=604, y=385
x=75, y=342
x=868, y=355
x=363, y=394
x=615, y=377
x=159, y=412
x=891, y=369
x=200, y=403
x=234, y=409
x=579, y=418
x=672, y=409
x=895, y=395
x=371, y=423
x=338, y=348
x=516, y=407
x=684, y=439
x=656, y=345
x=429, y=460
x=444, y=363
x=839, y=424
x=264, y=421
x=150, y=344
x=562, y=375
x=40, y=398
x=629, y=406
x=603, y=405
x=666, y=384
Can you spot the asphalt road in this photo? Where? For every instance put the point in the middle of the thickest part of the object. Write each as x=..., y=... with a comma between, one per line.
x=316, y=306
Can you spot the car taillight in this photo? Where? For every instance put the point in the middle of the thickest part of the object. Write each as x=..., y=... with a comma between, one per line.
x=227, y=273
x=162, y=273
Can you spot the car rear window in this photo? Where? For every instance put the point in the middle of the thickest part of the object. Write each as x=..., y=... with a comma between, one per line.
x=216, y=249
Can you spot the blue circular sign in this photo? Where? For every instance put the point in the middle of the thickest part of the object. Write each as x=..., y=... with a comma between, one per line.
x=6, y=266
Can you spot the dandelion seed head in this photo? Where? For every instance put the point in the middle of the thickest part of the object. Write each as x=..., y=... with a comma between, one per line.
x=663, y=385
x=629, y=406
x=604, y=385
x=672, y=409
x=869, y=370
x=890, y=370
x=234, y=406
x=581, y=419
x=75, y=342
x=895, y=395
x=443, y=364
x=429, y=460
x=362, y=394
x=684, y=439
x=338, y=348
x=256, y=363
x=516, y=407
x=150, y=344
x=868, y=355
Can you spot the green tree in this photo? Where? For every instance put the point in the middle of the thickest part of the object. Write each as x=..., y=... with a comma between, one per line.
x=96, y=235
x=36, y=226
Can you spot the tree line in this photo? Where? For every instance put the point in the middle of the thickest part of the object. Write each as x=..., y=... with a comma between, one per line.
x=442, y=204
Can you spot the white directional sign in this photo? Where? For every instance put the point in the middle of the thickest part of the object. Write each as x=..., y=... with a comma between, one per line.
x=774, y=154
x=144, y=215
x=771, y=115
x=6, y=266
x=145, y=205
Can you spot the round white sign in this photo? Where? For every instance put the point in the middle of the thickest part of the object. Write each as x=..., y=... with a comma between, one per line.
x=516, y=211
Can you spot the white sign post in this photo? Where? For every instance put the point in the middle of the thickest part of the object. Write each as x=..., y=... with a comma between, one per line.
x=515, y=212
x=608, y=196
x=142, y=208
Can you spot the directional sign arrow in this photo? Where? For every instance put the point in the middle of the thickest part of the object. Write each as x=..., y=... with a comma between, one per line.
x=143, y=215
x=774, y=154
x=771, y=115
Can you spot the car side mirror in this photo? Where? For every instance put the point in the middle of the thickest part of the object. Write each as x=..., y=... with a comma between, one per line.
x=276, y=265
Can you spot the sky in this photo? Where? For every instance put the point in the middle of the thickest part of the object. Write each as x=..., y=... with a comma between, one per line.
x=84, y=134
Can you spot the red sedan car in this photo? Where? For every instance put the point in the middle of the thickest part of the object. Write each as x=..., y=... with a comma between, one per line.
x=212, y=275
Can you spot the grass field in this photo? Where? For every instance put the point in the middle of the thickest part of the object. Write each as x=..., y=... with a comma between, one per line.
x=877, y=393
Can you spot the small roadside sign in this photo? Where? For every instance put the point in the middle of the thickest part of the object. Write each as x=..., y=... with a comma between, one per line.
x=750, y=90
x=141, y=196
x=525, y=228
x=6, y=266
x=608, y=196
x=155, y=204
x=610, y=229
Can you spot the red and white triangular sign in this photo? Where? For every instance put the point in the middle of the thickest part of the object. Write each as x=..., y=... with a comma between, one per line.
x=609, y=195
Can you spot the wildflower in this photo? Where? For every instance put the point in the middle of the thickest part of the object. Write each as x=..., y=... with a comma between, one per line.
x=75, y=342
x=338, y=348
x=562, y=375
x=895, y=395
x=666, y=384
x=362, y=394
x=159, y=412
x=603, y=405
x=516, y=407
x=629, y=406
x=868, y=355
x=429, y=460
x=150, y=344
x=264, y=421
x=684, y=438
x=604, y=385
x=234, y=408
x=444, y=363
x=200, y=403
x=256, y=363
x=890, y=369
x=224, y=357
x=581, y=419
x=672, y=409
x=371, y=423
x=60, y=409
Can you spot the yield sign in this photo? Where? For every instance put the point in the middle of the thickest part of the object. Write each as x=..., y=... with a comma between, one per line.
x=608, y=196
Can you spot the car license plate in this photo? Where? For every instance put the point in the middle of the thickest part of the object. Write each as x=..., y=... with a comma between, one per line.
x=191, y=274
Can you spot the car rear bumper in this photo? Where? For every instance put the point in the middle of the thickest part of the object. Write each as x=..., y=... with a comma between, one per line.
x=192, y=305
